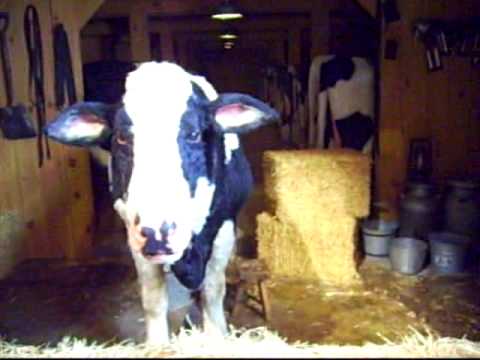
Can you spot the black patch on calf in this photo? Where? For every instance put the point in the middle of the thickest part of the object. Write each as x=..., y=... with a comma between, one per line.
x=338, y=68
x=355, y=130
x=234, y=182
x=122, y=154
x=195, y=139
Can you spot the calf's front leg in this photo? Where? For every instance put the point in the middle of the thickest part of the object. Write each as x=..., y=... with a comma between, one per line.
x=154, y=299
x=152, y=281
x=214, y=289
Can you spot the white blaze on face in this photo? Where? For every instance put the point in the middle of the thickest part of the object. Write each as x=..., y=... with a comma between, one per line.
x=201, y=203
x=155, y=100
x=232, y=143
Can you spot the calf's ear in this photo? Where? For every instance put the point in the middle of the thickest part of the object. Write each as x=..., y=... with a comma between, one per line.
x=83, y=124
x=241, y=113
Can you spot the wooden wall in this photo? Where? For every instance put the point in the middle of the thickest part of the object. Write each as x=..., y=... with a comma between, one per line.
x=442, y=105
x=53, y=204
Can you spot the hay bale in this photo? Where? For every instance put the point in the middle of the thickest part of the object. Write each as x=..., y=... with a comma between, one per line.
x=307, y=182
x=324, y=254
x=314, y=198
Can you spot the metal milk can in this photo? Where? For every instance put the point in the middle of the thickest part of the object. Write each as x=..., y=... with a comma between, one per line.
x=462, y=208
x=419, y=211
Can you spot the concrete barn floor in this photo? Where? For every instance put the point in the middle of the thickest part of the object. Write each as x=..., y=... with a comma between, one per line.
x=43, y=301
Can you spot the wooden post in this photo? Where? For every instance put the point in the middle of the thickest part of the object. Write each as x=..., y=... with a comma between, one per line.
x=167, y=45
x=320, y=28
x=182, y=56
x=294, y=46
x=139, y=34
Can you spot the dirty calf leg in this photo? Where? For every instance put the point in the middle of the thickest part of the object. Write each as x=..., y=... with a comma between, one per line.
x=154, y=299
x=214, y=289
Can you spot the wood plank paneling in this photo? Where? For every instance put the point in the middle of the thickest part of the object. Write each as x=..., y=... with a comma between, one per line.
x=440, y=105
x=31, y=198
x=54, y=223
x=438, y=80
x=76, y=162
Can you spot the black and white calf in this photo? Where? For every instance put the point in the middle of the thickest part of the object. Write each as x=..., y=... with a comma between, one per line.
x=345, y=86
x=179, y=177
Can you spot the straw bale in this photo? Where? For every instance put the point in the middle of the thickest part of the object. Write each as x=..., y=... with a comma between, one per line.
x=320, y=253
x=314, y=198
x=308, y=182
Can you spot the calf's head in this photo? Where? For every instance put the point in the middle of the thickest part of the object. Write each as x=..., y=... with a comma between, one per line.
x=170, y=143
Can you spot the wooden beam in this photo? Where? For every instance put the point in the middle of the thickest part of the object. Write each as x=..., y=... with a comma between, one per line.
x=370, y=6
x=273, y=23
x=85, y=9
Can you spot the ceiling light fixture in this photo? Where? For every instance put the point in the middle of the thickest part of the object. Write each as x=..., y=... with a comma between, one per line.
x=228, y=44
x=227, y=11
x=228, y=34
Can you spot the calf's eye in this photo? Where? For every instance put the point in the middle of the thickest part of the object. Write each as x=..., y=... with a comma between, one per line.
x=194, y=137
x=121, y=140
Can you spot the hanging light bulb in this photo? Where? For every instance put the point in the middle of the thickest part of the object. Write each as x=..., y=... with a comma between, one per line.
x=227, y=11
x=228, y=45
x=228, y=34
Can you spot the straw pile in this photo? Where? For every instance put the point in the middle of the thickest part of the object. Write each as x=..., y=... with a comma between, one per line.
x=254, y=343
x=314, y=198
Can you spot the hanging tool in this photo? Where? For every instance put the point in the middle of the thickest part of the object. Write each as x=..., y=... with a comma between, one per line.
x=33, y=41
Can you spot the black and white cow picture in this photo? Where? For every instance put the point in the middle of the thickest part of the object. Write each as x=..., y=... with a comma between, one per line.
x=178, y=179
x=344, y=88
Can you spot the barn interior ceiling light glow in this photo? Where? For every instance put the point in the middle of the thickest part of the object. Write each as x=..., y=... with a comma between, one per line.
x=228, y=34
x=227, y=11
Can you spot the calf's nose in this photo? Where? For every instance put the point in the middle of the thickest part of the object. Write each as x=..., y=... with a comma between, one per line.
x=167, y=229
x=153, y=245
x=148, y=232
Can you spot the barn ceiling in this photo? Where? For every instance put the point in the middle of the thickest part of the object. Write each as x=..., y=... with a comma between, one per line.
x=168, y=8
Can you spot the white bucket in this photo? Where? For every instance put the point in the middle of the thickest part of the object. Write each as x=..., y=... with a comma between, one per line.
x=377, y=235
